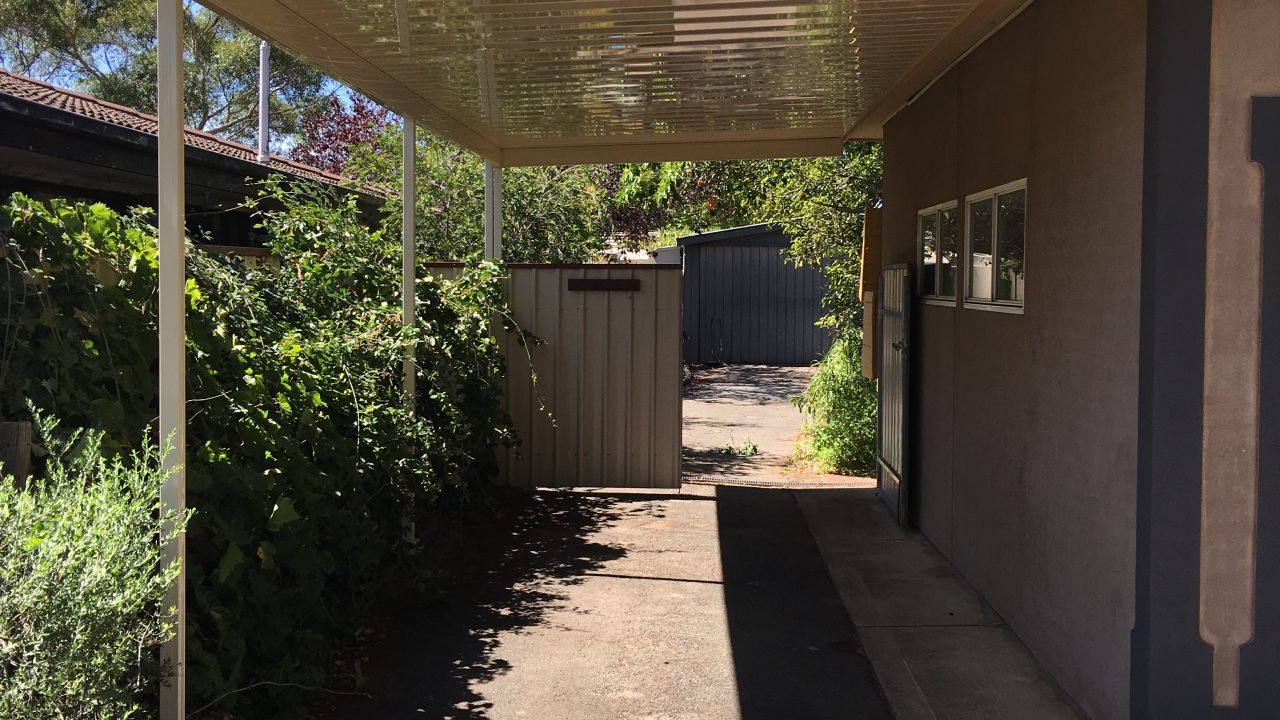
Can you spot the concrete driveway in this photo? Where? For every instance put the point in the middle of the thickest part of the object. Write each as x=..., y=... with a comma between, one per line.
x=728, y=407
x=705, y=603
x=709, y=604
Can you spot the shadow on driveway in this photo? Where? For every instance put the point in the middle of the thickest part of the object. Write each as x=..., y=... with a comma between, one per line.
x=750, y=384
x=436, y=647
x=594, y=605
x=717, y=462
x=795, y=651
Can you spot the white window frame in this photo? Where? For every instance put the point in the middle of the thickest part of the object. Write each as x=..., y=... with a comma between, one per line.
x=1000, y=306
x=929, y=297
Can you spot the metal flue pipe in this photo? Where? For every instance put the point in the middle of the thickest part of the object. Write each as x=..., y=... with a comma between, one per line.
x=264, y=101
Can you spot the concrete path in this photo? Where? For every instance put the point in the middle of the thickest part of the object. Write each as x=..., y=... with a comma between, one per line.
x=940, y=652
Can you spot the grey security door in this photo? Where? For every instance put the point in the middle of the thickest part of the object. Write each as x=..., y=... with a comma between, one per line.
x=894, y=359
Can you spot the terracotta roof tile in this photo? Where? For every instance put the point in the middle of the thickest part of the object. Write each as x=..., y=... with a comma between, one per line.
x=32, y=90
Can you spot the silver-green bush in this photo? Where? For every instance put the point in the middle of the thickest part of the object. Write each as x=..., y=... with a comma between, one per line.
x=82, y=582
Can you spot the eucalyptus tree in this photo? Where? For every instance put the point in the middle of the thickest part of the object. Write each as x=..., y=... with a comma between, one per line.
x=107, y=48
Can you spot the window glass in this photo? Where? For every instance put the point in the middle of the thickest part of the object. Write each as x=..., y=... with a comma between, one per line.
x=1010, y=235
x=948, y=261
x=929, y=252
x=980, y=250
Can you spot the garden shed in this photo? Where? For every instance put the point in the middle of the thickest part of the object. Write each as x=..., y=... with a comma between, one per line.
x=745, y=303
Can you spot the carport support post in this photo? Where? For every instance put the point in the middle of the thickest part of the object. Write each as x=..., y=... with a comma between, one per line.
x=408, y=242
x=492, y=210
x=172, y=304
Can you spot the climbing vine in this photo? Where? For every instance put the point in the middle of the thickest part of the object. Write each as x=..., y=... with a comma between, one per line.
x=304, y=462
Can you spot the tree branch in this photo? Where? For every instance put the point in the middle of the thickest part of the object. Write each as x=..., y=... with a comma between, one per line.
x=269, y=683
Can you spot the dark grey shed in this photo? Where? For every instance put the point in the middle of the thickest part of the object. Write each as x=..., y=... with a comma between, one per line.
x=744, y=303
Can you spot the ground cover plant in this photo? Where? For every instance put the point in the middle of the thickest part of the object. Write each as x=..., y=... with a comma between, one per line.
x=747, y=449
x=304, y=464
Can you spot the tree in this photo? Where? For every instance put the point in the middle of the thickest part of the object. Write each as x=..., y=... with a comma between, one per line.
x=654, y=202
x=330, y=131
x=107, y=48
x=821, y=202
x=550, y=214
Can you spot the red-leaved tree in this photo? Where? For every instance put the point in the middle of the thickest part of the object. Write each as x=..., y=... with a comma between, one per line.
x=329, y=132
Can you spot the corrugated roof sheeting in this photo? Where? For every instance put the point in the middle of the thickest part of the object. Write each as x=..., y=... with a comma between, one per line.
x=535, y=81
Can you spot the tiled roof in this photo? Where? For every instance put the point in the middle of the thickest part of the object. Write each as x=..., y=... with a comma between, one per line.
x=32, y=90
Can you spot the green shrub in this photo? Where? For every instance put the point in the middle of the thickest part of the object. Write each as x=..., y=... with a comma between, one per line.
x=82, y=583
x=840, y=411
x=303, y=462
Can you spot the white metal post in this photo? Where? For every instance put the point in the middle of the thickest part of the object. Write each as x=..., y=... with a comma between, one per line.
x=408, y=241
x=264, y=101
x=492, y=210
x=172, y=306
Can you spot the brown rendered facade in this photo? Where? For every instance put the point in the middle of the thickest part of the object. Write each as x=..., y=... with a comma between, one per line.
x=1024, y=440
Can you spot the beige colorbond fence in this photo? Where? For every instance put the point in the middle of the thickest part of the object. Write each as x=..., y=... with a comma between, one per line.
x=608, y=372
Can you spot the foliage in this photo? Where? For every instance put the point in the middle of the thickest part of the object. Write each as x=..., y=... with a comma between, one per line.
x=746, y=449
x=303, y=463
x=330, y=131
x=839, y=409
x=653, y=199
x=108, y=49
x=550, y=214
x=821, y=202
x=82, y=582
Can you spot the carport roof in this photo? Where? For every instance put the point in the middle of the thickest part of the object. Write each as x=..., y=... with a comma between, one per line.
x=584, y=81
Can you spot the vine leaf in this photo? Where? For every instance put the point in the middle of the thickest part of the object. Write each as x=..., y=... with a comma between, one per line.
x=283, y=513
x=231, y=559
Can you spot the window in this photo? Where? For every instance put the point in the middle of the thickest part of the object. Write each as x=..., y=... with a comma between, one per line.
x=938, y=237
x=997, y=238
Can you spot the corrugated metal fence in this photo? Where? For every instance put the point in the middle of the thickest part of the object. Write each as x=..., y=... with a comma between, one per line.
x=605, y=408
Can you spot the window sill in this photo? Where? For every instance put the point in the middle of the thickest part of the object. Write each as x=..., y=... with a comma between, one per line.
x=939, y=301
x=993, y=307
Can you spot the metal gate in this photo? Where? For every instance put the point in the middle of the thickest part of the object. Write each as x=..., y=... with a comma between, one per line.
x=604, y=344
x=894, y=358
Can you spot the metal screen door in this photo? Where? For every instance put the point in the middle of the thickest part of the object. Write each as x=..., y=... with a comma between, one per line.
x=891, y=440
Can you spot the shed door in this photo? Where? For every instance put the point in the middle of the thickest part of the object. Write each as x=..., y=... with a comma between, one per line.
x=891, y=440
x=754, y=307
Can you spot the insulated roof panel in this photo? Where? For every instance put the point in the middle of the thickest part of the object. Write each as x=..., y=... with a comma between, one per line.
x=552, y=81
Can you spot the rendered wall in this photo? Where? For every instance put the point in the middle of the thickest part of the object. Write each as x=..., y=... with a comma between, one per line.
x=1207, y=631
x=1025, y=425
